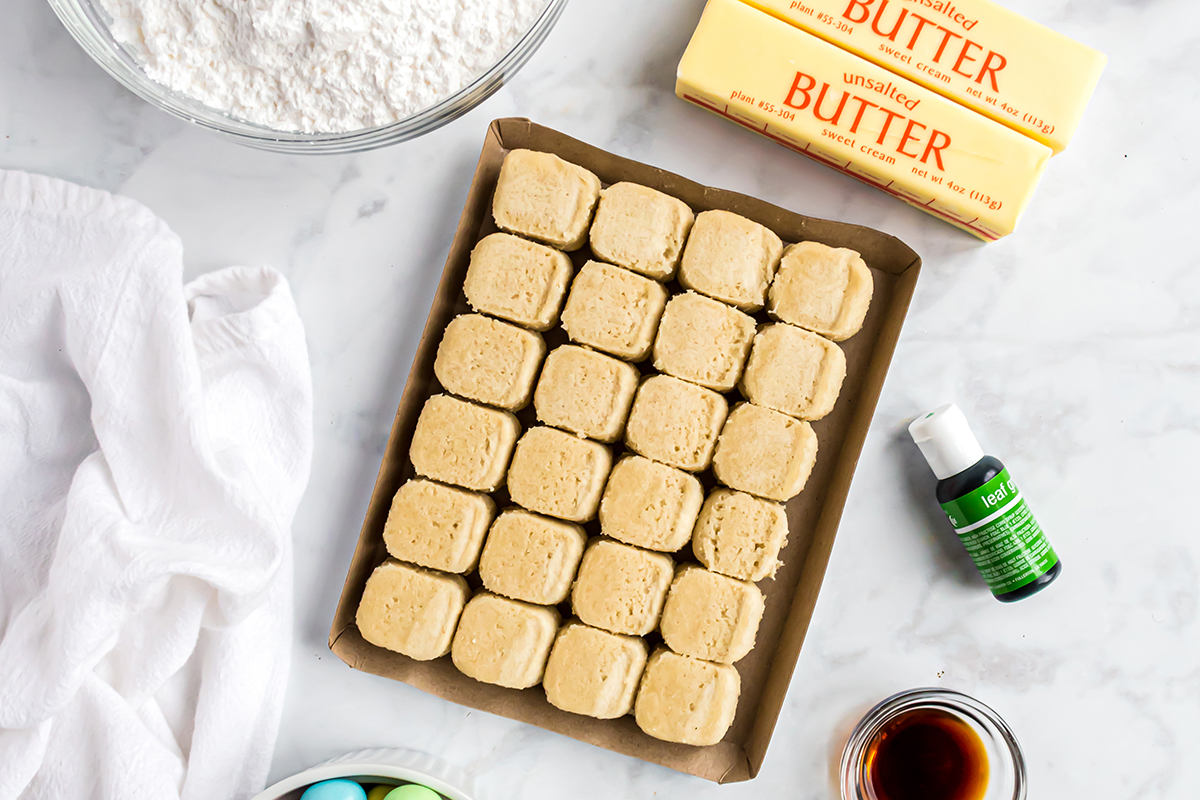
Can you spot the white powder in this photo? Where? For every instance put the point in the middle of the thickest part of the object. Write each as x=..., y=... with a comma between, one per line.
x=319, y=65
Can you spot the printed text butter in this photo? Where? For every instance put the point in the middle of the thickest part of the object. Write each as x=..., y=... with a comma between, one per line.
x=976, y=52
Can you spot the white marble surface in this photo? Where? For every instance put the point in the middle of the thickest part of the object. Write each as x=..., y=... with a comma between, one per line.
x=1074, y=346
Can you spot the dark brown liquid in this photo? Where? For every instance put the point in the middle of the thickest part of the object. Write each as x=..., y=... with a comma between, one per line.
x=927, y=754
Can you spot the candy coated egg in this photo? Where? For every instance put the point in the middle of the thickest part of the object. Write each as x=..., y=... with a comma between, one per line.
x=379, y=792
x=413, y=791
x=339, y=789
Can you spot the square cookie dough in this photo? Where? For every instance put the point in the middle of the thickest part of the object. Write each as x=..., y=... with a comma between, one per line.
x=559, y=474
x=686, y=700
x=730, y=258
x=436, y=526
x=585, y=392
x=530, y=557
x=765, y=453
x=517, y=280
x=641, y=229
x=650, y=505
x=504, y=642
x=703, y=341
x=594, y=672
x=675, y=422
x=489, y=361
x=711, y=616
x=410, y=610
x=794, y=371
x=614, y=310
x=545, y=198
x=463, y=443
x=824, y=289
x=740, y=535
x=620, y=588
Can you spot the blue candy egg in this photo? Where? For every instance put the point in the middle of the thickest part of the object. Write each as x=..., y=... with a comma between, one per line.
x=340, y=789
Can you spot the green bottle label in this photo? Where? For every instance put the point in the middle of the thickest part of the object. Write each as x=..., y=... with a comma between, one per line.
x=1003, y=538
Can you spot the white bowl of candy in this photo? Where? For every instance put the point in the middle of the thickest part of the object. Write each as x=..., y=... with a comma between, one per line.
x=374, y=775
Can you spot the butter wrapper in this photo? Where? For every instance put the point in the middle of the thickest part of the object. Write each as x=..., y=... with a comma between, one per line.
x=861, y=119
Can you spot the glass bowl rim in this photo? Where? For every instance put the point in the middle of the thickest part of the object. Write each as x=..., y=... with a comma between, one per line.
x=97, y=41
x=949, y=700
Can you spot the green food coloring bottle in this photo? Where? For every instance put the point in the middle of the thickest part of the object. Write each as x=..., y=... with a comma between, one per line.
x=985, y=507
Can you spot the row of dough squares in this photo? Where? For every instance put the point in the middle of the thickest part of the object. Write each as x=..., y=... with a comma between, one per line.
x=691, y=336
x=677, y=424
x=584, y=669
x=639, y=500
x=538, y=559
x=710, y=619
x=730, y=265
x=716, y=253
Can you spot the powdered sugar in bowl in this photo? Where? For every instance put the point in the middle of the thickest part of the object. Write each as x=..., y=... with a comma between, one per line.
x=325, y=76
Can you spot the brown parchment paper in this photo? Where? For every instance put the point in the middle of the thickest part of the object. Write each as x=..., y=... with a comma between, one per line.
x=812, y=516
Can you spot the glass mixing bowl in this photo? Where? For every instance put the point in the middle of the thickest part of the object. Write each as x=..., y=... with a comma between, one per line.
x=87, y=22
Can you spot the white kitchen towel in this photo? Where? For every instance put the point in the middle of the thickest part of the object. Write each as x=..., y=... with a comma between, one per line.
x=155, y=440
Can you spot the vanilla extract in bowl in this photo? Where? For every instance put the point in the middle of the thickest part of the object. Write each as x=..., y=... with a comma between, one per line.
x=927, y=754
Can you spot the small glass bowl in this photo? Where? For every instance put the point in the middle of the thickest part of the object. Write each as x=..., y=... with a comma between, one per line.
x=87, y=21
x=1006, y=762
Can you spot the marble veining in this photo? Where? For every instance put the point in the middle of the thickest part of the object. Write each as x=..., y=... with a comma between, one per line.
x=1073, y=346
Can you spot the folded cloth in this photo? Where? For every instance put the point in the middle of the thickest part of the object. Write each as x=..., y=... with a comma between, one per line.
x=155, y=439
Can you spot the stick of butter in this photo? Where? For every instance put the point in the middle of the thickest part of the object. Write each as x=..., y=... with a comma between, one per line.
x=986, y=57
x=854, y=116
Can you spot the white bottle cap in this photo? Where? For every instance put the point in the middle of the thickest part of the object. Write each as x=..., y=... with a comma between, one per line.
x=946, y=441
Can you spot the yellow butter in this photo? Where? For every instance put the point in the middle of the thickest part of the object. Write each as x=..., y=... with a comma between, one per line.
x=979, y=53
x=857, y=117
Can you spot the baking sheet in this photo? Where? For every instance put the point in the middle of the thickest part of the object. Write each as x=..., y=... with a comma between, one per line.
x=813, y=516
